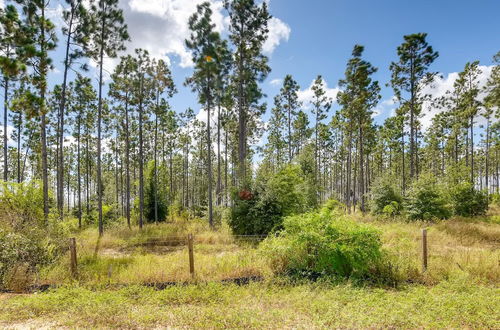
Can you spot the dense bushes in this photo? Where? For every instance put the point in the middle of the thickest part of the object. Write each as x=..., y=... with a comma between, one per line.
x=385, y=199
x=257, y=215
x=324, y=243
x=262, y=210
x=426, y=200
x=26, y=241
x=467, y=201
x=149, y=196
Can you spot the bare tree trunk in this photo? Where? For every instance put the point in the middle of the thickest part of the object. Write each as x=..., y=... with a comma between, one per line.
x=155, y=183
x=43, y=135
x=209, y=158
x=219, y=179
x=79, y=184
x=19, y=132
x=5, y=134
x=141, y=165
x=60, y=170
x=127, y=162
x=361, y=169
x=99, y=120
x=472, y=150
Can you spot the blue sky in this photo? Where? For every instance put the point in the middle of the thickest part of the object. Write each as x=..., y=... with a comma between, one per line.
x=316, y=37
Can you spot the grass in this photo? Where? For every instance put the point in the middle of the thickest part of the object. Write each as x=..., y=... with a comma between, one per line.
x=456, y=304
x=124, y=256
x=459, y=290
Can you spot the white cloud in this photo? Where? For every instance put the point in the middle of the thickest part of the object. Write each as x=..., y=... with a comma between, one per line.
x=276, y=82
x=161, y=26
x=385, y=106
x=55, y=14
x=2, y=4
x=443, y=84
x=306, y=95
x=278, y=31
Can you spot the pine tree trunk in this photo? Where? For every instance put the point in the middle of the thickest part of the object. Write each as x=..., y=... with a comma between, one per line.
x=219, y=179
x=209, y=156
x=99, y=122
x=19, y=132
x=87, y=171
x=361, y=169
x=127, y=162
x=43, y=134
x=472, y=150
x=5, y=134
x=79, y=184
x=487, y=155
x=155, y=183
x=60, y=170
x=141, y=164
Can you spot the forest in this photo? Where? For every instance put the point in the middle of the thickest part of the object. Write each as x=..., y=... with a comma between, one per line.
x=315, y=203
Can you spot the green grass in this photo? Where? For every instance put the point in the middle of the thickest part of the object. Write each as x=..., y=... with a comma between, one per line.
x=459, y=290
x=456, y=304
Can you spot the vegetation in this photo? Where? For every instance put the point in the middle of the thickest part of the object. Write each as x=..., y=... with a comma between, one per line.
x=309, y=217
x=324, y=243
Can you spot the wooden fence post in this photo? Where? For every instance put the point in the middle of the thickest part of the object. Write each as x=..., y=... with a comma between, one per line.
x=73, y=263
x=191, y=255
x=424, y=250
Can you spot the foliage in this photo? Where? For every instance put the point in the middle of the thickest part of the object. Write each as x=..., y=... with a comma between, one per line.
x=385, y=198
x=26, y=241
x=468, y=201
x=256, y=216
x=262, y=211
x=426, y=201
x=324, y=243
x=151, y=188
x=495, y=199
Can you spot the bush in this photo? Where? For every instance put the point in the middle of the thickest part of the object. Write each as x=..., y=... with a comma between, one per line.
x=19, y=252
x=385, y=199
x=262, y=211
x=467, y=201
x=26, y=241
x=149, y=196
x=426, y=201
x=495, y=199
x=323, y=243
x=255, y=216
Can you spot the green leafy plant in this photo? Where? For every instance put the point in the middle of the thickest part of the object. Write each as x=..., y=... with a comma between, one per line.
x=468, y=201
x=426, y=201
x=385, y=199
x=323, y=243
x=262, y=210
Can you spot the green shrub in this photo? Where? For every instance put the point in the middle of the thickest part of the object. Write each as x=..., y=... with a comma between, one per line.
x=495, y=199
x=19, y=251
x=385, y=199
x=287, y=187
x=26, y=241
x=260, y=211
x=467, y=201
x=426, y=201
x=149, y=196
x=323, y=243
x=392, y=209
x=255, y=216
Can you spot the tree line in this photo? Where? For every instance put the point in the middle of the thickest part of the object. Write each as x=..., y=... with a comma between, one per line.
x=129, y=151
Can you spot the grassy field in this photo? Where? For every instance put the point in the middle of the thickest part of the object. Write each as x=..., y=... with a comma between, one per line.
x=460, y=289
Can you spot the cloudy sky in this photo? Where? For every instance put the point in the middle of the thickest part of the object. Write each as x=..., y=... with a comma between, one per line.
x=314, y=37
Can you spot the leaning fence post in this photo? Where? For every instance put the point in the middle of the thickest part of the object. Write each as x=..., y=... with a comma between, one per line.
x=73, y=264
x=191, y=255
x=424, y=250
